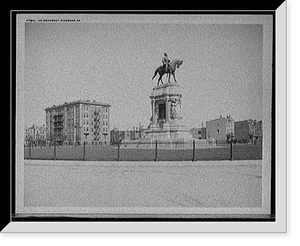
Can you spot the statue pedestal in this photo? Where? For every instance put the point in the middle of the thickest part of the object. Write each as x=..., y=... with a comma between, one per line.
x=166, y=121
x=166, y=125
x=168, y=131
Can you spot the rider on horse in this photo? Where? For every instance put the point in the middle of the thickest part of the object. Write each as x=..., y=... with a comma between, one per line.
x=165, y=61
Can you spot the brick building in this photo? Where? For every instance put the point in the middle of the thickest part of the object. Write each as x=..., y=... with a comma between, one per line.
x=249, y=131
x=220, y=129
x=78, y=121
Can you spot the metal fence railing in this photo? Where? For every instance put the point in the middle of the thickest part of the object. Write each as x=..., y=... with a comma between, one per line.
x=147, y=151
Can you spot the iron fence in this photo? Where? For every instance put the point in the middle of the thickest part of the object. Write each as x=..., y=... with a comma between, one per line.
x=147, y=151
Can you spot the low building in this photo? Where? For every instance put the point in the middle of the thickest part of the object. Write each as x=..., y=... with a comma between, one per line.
x=114, y=136
x=198, y=133
x=35, y=135
x=135, y=133
x=221, y=129
x=29, y=134
x=117, y=135
x=248, y=131
x=257, y=132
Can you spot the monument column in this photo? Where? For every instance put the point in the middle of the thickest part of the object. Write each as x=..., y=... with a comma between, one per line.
x=155, y=112
x=167, y=109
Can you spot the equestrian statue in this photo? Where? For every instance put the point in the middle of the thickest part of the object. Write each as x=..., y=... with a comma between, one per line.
x=168, y=67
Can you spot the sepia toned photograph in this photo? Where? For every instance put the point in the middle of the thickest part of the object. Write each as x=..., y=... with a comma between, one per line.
x=145, y=117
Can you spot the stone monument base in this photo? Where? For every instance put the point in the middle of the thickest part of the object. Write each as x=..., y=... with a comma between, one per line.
x=167, y=131
x=166, y=128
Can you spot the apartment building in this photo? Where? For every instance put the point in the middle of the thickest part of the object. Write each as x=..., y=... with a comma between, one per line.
x=78, y=122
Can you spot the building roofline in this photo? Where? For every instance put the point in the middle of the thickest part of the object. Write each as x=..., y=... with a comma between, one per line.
x=79, y=102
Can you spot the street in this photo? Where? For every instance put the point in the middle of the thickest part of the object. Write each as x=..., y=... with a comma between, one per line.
x=142, y=184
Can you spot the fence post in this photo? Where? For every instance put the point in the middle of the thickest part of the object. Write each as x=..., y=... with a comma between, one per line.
x=194, y=151
x=155, y=159
x=54, y=148
x=119, y=151
x=83, y=150
x=231, y=157
x=30, y=150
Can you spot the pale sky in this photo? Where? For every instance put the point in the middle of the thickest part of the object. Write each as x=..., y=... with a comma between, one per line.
x=222, y=71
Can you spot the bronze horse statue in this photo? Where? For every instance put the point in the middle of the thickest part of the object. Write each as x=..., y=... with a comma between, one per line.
x=171, y=70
